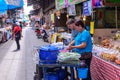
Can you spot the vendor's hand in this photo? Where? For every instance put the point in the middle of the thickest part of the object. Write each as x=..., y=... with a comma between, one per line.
x=70, y=48
x=69, y=44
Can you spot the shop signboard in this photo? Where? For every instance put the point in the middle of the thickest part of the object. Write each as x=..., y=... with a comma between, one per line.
x=112, y=2
x=97, y=3
x=87, y=8
x=66, y=3
x=58, y=4
x=76, y=1
x=61, y=4
x=71, y=10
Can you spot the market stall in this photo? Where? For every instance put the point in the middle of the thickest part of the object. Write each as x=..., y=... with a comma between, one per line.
x=104, y=70
x=53, y=58
x=106, y=59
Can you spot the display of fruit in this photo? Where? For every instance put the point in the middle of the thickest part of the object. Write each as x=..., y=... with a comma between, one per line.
x=118, y=57
x=107, y=56
x=117, y=35
x=117, y=62
x=106, y=43
x=116, y=47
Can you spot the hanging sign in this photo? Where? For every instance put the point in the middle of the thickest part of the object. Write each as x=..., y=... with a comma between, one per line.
x=87, y=8
x=66, y=3
x=71, y=10
x=76, y=1
x=59, y=4
x=97, y=3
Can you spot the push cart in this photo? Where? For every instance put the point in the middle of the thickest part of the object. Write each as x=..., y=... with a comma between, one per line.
x=41, y=67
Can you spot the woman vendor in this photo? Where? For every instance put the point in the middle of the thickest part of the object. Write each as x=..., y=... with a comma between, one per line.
x=83, y=45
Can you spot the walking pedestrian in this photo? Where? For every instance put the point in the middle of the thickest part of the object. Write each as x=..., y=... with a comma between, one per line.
x=17, y=34
x=21, y=24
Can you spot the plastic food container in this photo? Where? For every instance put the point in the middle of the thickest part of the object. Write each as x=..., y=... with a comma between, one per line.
x=48, y=54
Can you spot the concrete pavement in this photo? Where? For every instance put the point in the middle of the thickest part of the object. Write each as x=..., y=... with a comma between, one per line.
x=19, y=65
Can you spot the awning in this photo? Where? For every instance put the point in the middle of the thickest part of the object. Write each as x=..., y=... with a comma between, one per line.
x=3, y=5
x=112, y=2
x=10, y=4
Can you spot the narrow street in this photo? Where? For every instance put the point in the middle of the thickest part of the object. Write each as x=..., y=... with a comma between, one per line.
x=19, y=65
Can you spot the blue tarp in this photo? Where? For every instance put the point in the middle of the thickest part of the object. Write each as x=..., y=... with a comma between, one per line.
x=11, y=6
x=4, y=5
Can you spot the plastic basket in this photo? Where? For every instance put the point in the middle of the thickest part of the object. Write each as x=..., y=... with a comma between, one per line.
x=82, y=72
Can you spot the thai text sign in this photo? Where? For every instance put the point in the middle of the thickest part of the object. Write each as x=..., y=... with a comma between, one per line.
x=87, y=9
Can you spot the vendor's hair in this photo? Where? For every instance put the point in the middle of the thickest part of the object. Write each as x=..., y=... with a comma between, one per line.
x=78, y=23
x=70, y=21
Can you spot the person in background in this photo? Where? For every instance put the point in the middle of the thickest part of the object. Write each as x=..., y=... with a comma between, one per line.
x=21, y=24
x=17, y=31
x=37, y=26
x=13, y=25
x=71, y=25
x=83, y=45
x=8, y=29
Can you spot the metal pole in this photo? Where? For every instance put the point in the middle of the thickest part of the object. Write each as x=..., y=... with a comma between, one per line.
x=116, y=16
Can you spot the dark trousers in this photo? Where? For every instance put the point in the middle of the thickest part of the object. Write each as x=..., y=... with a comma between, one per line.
x=88, y=61
x=17, y=42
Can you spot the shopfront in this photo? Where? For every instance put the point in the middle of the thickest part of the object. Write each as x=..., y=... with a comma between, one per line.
x=106, y=13
x=105, y=62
